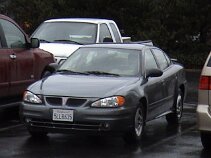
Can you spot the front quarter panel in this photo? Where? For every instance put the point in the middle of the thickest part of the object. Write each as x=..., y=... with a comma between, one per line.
x=42, y=59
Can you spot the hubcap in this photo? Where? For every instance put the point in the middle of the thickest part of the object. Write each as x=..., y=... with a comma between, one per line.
x=138, y=122
x=179, y=106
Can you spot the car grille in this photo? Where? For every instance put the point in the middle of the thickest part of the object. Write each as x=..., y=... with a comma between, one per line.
x=54, y=101
x=65, y=125
x=59, y=101
x=75, y=102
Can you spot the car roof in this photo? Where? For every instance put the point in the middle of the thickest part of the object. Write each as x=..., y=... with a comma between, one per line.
x=119, y=46
x=86, y=20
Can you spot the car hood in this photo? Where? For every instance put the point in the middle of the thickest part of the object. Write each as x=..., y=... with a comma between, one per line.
x=82, y=85
x=59, y=49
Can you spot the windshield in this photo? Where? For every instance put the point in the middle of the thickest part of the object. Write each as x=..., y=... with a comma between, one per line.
x=103, y=61
x=67, y=32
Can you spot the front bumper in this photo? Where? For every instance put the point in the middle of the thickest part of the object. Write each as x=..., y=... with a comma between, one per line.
x=203, y=118
x=86, y=119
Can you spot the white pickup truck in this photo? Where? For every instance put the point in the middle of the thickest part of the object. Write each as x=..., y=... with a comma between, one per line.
x=62, y=37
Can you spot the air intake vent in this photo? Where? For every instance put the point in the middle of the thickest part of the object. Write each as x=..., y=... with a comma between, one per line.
x=75, y=102
x=54, y=101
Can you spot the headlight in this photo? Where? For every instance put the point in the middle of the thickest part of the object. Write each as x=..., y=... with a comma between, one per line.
x=116, y=101
x=31, y=98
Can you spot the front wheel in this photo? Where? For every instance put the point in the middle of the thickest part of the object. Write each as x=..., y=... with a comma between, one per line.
x=134, y=135
x=175, y=117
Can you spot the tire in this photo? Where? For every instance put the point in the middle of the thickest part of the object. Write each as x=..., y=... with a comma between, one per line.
x=206, y=140
x=36, y=134
x=135, y=133
x=175, y=117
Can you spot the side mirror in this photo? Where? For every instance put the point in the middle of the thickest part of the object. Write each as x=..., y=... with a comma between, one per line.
x=154, y=73
x=107, y=39
x=35, y=43
x=50, y=69
x=53, y=67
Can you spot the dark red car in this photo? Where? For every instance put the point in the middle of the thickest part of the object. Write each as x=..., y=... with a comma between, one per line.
x=21, y=61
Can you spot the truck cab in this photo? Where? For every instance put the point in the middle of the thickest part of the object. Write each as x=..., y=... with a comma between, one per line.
x=63, y=36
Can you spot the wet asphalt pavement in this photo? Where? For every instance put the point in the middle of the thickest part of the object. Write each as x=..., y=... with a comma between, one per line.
x=159, y=141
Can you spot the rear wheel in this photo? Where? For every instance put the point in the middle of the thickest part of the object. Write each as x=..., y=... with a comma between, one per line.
x=175, y=117
x=206, y=140
x=135, y=133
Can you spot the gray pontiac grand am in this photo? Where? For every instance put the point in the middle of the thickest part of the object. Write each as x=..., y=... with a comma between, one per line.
x=106, y=88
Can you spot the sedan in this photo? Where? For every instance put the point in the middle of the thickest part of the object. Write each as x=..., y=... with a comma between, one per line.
x=106, y=88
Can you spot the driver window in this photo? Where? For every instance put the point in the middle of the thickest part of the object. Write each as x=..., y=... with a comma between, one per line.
x=14, y=37
x=150, y=62
x=161, y=59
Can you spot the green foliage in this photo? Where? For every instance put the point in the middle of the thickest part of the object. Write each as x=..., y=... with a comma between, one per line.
x=181, y=27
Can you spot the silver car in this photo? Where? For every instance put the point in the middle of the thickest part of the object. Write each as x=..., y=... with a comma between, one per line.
x=204, y=102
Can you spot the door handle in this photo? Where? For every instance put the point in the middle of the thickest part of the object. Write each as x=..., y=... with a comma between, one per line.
x=12, y=56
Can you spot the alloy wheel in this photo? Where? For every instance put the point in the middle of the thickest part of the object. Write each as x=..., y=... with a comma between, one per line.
x=138, y=122
x=179, y=106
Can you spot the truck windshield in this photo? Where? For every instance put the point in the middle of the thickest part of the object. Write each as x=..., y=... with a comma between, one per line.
x=67, y=32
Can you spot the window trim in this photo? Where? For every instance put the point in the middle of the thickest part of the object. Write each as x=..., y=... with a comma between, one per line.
x=3, y=42
x=112, y=25
x=100, y=26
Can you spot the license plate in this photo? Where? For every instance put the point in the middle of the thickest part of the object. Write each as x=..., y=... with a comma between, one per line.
x=62, y=115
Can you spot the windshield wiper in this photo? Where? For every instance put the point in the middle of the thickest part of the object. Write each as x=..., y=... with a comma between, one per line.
x=67, y=41
x=72, y=72
x=101, y=73
x=44, y=41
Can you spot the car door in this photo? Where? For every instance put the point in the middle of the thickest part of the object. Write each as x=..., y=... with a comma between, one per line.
x=169, y=78
x=154, y=88
x=21, y=58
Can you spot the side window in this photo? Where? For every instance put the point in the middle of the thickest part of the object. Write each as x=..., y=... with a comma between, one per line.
x=13, y=36
x=161, y=59
x=104, y=32
x=115, y=32
x=150, y=62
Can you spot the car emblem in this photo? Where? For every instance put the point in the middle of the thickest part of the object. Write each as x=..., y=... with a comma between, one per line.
x=64, y=100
